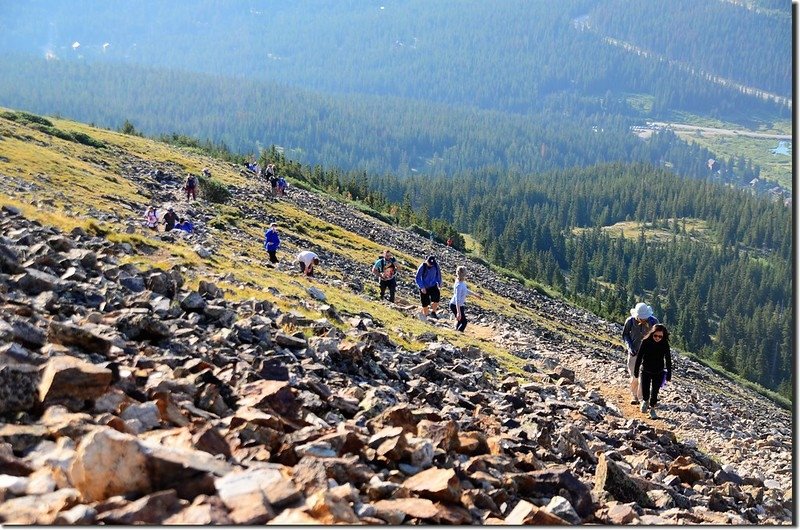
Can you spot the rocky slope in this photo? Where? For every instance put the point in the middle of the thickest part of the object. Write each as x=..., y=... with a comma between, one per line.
x=143, y=394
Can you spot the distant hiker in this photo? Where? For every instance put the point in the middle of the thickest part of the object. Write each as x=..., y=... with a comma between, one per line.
x=449, y=241
x=191, y=187
x=206, y=172
x=170, y=218
x=151, y=218
x=385, y=269
x=654, y=362
x=458, y=301
x=307, y=260
x=429, y=280
x=281, y=186
x=185, y=225
x=252, y=166
x=273, y=178
x=634, y=330
x=272, y=241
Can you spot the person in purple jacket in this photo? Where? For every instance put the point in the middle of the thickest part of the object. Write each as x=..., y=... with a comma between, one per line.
x=429, y=280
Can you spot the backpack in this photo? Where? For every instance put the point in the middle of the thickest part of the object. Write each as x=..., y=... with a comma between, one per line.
x=191, y=182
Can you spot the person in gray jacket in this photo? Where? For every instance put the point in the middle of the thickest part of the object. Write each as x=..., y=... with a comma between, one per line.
x=636, y=327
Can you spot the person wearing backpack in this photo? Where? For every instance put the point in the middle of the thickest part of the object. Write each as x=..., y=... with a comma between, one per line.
x=654, y=365
x=429, y=280
x=636, y=327
x=272, y=241
x=385, y=269
x=151, y=218
x=281, y=186
x=191, y=187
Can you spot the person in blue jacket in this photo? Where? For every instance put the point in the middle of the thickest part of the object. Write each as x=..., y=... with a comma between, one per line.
x=429, y=280
x=272, y=241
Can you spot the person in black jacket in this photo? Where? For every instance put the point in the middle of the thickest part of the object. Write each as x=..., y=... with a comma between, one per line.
x=652, y=360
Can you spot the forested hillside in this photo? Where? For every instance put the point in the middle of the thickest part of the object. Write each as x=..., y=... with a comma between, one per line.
x=715, y=263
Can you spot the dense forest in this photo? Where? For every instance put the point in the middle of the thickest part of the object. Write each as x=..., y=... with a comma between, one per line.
x=520, y=56
x=375, y=134
x=713, y=29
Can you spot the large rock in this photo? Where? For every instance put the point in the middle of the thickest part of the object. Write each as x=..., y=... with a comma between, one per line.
x=555, y=481
x=395, y=511
x=525, y=513
x=69, y=377
x=613, y=479
x=34, y=281
x=109, y=463
x=83, y=338
x=269, y=395
x=442, y=434
x=435, y=484
x=688, y=471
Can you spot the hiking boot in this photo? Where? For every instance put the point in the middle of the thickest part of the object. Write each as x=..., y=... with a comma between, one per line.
x=634, y=401
x=433, y=315
x=653, y=413
x=422, y=317
x=643, y=408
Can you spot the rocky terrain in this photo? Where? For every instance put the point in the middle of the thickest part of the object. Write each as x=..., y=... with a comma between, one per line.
x=129, y=397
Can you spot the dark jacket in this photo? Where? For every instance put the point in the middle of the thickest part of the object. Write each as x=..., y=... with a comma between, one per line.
x=653, y=357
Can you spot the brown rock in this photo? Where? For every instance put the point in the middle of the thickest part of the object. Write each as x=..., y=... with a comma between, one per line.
x=152, y=509
x=452, y=514
x=398, y=416
x=83, y=338
x=621, y=514
x=69, y=377
x=525, y=513
x=472, y=443
x=435, y=484
x=330, y=509
x=38, y=509
x=394, y=511
x=109, y=463
x=442, y=434
x=270, y=396
x=688, y=471
x=204, y=510
x=209, y=440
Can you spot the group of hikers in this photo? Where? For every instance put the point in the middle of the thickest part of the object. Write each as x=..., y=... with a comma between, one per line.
x=171, y=221
x=428, y=279
x=276, y=182
x=649, y=357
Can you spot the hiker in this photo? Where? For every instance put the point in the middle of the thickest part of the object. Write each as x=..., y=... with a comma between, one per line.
x=185, y=225
x=307, y=260
x=170, y=218
x=272, y=241
x=429, y=279
x=654, y=363
x=634, y=330
x=273, y=178
x=460, y=292
x=449, y=241
x=191, y=187
x=385, y=269
x=281, y=186
x=151, y=218
x=206, y=172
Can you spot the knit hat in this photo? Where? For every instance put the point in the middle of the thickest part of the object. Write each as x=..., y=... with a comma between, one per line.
x=642, y=311
x=431, y=260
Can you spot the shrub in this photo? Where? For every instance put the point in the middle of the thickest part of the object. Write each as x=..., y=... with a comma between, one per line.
x=213, y=190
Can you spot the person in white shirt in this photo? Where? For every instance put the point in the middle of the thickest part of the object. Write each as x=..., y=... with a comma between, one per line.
x=458, y=301
x=307, y=261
